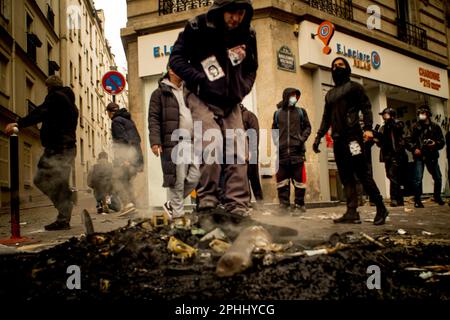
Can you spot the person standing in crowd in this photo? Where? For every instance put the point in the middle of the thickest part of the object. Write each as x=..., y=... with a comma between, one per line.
x=128, y=158
x=224, y=39
x=251, y=123
x=168, y=114
x=100, y=179
x=294, y=129
x=59, y=117
x=447, y=140
x=425, y=142
x=390, y=139
x=342, y=106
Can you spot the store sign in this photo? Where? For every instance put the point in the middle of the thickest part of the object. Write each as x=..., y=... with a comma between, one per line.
x=430, y=79
x=371, y=61
x=286, y=59
x=154, y=51
x=361, y=60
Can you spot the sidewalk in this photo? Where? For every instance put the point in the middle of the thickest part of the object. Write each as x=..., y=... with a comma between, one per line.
x=314, y=226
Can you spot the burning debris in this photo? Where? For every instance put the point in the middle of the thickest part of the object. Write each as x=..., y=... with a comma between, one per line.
x=151, y=260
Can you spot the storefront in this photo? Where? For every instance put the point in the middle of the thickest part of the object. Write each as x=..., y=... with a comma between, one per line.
x=390, y=79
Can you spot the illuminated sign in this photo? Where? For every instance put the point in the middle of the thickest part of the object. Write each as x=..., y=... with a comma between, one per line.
x=361, y=60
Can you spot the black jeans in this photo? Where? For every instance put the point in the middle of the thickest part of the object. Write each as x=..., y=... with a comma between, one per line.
x=394, y=168
x=255, y=183
x=433, y=168
x=350, y=166
x=52, y=178
x=286, y=173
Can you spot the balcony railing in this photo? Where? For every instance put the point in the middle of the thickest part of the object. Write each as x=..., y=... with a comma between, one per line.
x=172, y=6
x=339, y=8
x=412, y=34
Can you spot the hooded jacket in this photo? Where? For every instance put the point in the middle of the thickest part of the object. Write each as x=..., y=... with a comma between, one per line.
x=127, y=139
x=342, y=106
x=420, y=133
x=206, y=36
x=163, y=120
x=100, y=176
x=294, y=129
x=59, y=116
x=391, y=141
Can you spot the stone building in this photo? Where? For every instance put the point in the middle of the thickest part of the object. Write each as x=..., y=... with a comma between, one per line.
x=398, y=50
x=39, y=38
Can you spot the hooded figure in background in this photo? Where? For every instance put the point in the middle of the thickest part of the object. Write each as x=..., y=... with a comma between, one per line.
x=294, y=129
x=128, y=158
x=343, y=104
x=59, y=117
x=216, y=57
x=425, y=142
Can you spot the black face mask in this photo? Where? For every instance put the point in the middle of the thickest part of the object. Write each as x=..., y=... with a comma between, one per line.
x=340, y=75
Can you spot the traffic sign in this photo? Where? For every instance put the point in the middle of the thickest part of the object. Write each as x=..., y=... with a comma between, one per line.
x=113, y=82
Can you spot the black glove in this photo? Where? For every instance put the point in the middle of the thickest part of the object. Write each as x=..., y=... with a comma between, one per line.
x=316, y=145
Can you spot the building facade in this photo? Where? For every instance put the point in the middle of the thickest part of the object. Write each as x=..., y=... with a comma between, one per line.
x=39, y=38
x=398, y=51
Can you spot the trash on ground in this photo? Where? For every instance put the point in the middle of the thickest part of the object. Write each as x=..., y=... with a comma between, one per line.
x=214, y=234
x=180, y=250
x=219, y=246
x=401, y=232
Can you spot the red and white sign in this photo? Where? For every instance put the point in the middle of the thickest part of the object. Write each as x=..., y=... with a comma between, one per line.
x=113, y=82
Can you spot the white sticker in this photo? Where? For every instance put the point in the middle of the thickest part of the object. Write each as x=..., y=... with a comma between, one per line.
x=355, y=148
x=237, y=54
x=212, y=68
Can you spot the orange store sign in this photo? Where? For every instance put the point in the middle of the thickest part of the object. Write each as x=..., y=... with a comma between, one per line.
x=430, y=79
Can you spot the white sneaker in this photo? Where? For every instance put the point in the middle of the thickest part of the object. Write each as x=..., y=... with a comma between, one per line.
x=168, y=209
x=127, y=209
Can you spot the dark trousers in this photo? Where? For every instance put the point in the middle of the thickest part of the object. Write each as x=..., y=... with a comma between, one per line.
x=255, y=183
x=433, y=168
x=286, y=173
x=350, y=166
x=394, y=174
x=52, y=178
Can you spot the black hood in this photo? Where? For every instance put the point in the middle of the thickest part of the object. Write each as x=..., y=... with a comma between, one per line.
x=286, y=94
x=345, y=75
x=215, y=12
x=122, y=113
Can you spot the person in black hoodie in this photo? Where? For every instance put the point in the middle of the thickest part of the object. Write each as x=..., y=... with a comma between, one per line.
x=425, y=142
x=216, y=56
x=390, y=138
x=342, y=106
x=59, y=117
x=294, y=129
x=128, y=158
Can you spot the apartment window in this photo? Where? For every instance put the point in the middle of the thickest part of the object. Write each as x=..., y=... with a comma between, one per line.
x=90, y=34
x=79, y=30
x=50, y=15
x=81, y=113
x=33, y=41
x=93, y=109
x=71, y=73
x=408, y=32
x=52, y=65
x=93, y=143
x=27, y=165
x=92, y=71
x=82, y=151
x=5, y=6
x=4, y=161
x=4, y=64
x=29, y=90
x=80, y=70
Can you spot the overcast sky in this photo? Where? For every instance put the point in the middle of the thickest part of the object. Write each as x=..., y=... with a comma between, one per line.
x=116, y=18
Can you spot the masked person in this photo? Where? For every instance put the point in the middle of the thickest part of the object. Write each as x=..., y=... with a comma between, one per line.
x=425, y=142
x=342, y=106
x=294, y=129
x=59, y=117
x=224, y=39
x=390, y=139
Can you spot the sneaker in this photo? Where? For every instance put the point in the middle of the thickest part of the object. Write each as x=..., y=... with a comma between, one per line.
x=298, y=210
x=129, y=208
x=57, y=225
x=439, y=201
x=381, y=215
x=206, y=205
x=168, y=209
x=394, y=203
x=418, y=204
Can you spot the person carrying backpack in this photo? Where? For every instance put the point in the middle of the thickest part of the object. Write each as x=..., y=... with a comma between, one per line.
x=294, y=129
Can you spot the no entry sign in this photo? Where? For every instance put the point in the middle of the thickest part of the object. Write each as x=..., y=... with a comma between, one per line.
x=113, y=82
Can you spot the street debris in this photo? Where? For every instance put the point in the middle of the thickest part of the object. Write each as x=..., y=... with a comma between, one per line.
x=426, y=233
x=180, y=250
x=372, y=240
x=219, y=246
x=214, y=234
x=401, y=232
